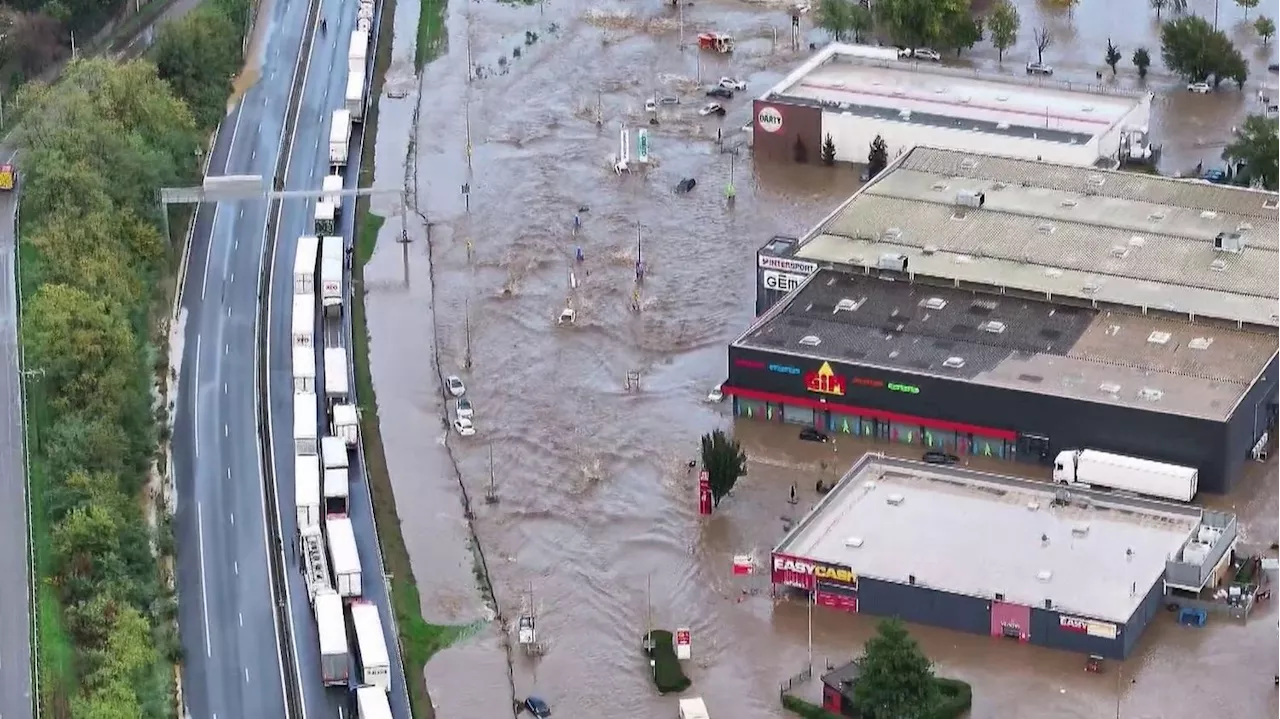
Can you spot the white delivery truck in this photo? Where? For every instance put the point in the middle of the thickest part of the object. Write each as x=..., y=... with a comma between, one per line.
x=693, y=708
x=315, y=565
x=332, y=625
x=304, y=370
x=344, y=555
x=306, y=490
x=305, y=441
x=358, y=50
x=337, y=488
x=326, y=217
x=304, y=265
x=336, y=383
x=339, y=136
x=346, y=424
x=332, y=251
x=332, y=189
x=372, y=703
x=1130, y=474
x=355, y=93
x=371, y=646
x=304, y=320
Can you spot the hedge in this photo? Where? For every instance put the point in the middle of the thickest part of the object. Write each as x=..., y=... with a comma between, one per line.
x=667, y=674
x=957, y=698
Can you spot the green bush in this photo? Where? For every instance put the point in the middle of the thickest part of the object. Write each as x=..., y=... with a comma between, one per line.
x=805, y=710
x=667, y=674
x=957, y=698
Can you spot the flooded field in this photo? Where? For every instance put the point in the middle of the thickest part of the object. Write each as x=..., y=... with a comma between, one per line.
x=596, y=506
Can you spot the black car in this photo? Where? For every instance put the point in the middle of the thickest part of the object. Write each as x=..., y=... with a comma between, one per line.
x=809, y=434
x=939, y=458
x=536, y=707
x=723, y=93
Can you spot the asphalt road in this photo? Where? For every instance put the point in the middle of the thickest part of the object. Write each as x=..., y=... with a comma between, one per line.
x=15, y=605
x=324, y=91
x=233, y=665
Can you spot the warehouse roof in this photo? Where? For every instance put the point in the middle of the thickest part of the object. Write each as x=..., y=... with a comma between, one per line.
x=1118, y=238
x=1112, y=357
x=980, y=534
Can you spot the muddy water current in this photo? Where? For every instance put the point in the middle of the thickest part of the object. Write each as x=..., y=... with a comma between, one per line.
x=596, y=513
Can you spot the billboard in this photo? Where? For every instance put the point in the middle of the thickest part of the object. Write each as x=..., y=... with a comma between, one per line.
x=805, y=574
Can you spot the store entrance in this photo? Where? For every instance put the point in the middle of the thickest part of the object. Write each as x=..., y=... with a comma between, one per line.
x=1033, y=448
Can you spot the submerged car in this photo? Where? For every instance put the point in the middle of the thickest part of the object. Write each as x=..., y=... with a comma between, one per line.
x=1199, y=88
x=733, y=83
x=1039, y=68
x=536, y=707
x=716, y=394
x=809, y=434
x=723, y=93
x=455, y=386
x=464, y=427
x=939, y=458
x=464, y=408
x=712, y=108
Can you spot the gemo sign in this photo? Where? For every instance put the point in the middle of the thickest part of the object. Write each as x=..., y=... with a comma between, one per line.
x=782, y=281
x=802, y=574
x=770, y=119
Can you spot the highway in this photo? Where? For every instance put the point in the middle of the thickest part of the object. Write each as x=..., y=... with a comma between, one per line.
x=323, y=92
x=230, y=635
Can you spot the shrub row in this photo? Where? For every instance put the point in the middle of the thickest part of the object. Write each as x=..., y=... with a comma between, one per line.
x=957, y=698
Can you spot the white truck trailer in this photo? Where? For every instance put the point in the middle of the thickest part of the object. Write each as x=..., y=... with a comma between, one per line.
x=306, y=490
x=304, y=370
x=344, y=555
x=332, y=189
x=358, y=50
x=304, y=265
x=339, y=137
x=346, y=424
x=372, y=703
x=305, y=441
x=332, y=250
x=304, y=320
x=332, y=626
x=326, y=218
x=1130, y=474
x=336, y=383
x=371, y=646
x=355, y=93
x=315, y=565
x=337, y=483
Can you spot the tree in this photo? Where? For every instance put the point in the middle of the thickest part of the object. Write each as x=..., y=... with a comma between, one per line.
x=1142, y=61
x=1004, y=23
x=836, y=17
x=877, y=158
x=920, y=23
x=1247, y=5
x=963, y=34
x=1044, y=39
x=828, y=150
x=1191, y=48
x=1265, y=27
x=1159, y=6
x=1255, y=148
x=1113, y=56
x=895, y=678
x=861, y=22
x=724, y=462
x=198, y=55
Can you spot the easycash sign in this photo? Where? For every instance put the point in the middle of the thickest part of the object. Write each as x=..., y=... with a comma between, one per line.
x=823, y=572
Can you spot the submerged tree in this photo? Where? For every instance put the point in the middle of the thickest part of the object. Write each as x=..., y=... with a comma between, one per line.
x=877, y=158
x=1113, y=56
x=828, y=151
x=1003, y=24
x=724, y=462
x=1142, y=61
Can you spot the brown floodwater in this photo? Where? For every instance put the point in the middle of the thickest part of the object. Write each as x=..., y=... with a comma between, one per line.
x=597, y=514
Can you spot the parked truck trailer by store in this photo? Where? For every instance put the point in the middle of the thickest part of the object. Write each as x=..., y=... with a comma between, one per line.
x=1129, y=474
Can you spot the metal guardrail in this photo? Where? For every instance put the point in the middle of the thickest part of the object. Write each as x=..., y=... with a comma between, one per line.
x=33, y=571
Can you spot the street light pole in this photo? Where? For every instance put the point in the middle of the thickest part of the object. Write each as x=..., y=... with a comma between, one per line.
x=813, y=593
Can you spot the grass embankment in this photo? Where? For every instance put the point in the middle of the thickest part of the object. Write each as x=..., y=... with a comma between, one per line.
x=419, y=639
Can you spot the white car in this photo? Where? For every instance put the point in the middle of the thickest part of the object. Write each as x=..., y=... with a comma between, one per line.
x=464, y=426
x=716, y=394
x=567, y=316
x=711, y=108
x=926, y=53
x=733, y=83
x=463, y=408
x=1039, y=68
x=455, y=386
x=1200, y=88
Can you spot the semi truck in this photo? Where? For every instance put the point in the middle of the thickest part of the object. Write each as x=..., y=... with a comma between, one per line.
x=339, y=135
x=358, y=50
x=336, y=385
x=304, y=265
x=332, y=250
x=1129, y=474
x=372, y=703
x=304, y=320
x=315, y=565
x=346, y=424
x=355, y=93
x=326, y=217
x=337, y=490
x=304, y=370
x=306, y=490
x=305, y=442
x=371, y=646
x=332, y=626
x=343, y=555
x=332, y=189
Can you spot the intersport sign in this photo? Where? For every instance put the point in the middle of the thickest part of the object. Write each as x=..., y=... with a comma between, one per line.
x=802, y=573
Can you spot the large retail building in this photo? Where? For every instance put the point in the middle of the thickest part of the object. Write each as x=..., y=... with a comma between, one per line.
x=1080, y=571
x=1008, y=308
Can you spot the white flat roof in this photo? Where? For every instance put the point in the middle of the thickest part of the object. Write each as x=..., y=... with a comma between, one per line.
x=980, y=534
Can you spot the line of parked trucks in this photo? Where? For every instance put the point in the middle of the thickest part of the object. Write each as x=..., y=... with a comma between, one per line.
x=350, y=630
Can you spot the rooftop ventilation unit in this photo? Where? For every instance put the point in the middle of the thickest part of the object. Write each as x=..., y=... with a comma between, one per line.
x=1137, y=241
x=892, y=234
x=995, y=327
x=953, y=362
x=1244, y=227
x=1156, y=216
x=934, y=303
x=968, y=164
x=810, y=341
x=929, y=249
x=1120, y=252
x=1159, y=338
x=894, y=499
x=1270, y=203
x=848, y=305
x=853, y=542
x=939, y=186
x=1109, y=388
x=1052, y=272
x=1045, y=228
x=892, y=261
x=1097, y=180
x=971, y=198
x=1033, y=506
x=1218, y=266
x=1080, y=530
x=1228, y=242
x=1091, y=287
x=1044, y=575
x=1200, y=343
x=1069, y=203
x=1208, y=215
x=1150, y=394
x=905, y=114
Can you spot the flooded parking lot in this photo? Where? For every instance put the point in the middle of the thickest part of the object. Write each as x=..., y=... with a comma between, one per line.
x=597, y=508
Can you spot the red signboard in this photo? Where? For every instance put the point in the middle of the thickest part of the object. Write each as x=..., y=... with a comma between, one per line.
x=843, y=602
x=802, y=573
x=704, y=494
x=825, y=381
x=683, y=638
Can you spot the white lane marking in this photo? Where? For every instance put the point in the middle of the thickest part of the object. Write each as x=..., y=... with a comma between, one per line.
x=233, y=278
x=236, y=244
x=224, y=387
x=195, y=402
x=226, y=350
x=253, y=155
x=235, y=567
x=226, y=432
x=246, y=675
x=228, y=310
x=204, y=592
x=241, y=616
x=233, y=519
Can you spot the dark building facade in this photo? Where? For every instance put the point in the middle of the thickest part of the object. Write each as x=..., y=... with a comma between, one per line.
x=786, y=132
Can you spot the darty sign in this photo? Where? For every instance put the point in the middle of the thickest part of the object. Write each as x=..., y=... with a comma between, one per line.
x=786, y=264
x=802, y=573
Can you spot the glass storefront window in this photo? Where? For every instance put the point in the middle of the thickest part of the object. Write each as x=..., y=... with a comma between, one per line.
x=749, y=408
x=797, y=415
x=988, y=447
x=845, y=424
x=904, y=433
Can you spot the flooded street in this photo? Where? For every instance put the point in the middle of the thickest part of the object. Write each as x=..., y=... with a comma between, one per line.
x=596, y=503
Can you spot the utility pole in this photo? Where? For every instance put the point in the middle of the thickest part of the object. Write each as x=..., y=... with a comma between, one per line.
x=466, y=361
x=813, y=594
x=491, y=492
x=680, y=4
